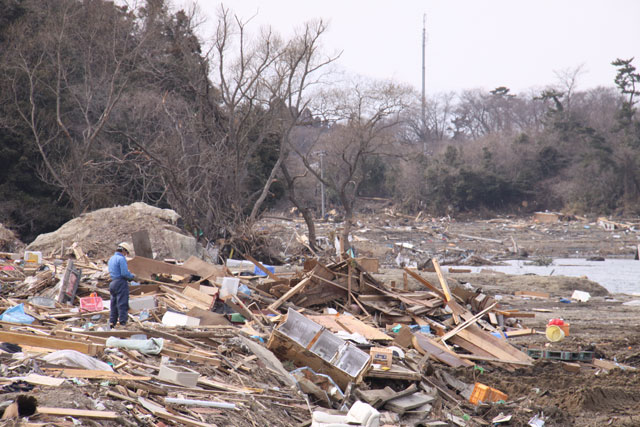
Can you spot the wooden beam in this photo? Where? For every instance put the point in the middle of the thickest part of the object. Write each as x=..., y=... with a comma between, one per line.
x=493, y=359
x=424, y=282
x=350, y=268
x=260, y=266
x=445, y=289
x=47, y=342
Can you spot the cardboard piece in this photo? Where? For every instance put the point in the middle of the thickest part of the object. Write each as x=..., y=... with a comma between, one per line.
x=208, y=317
x=381, y=356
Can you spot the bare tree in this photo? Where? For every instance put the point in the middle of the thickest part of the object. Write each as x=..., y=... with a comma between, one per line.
x=365, y=117
x=296, y=70
x=207, y=153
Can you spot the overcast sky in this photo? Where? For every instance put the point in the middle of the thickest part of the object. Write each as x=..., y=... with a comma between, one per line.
x=470, y=43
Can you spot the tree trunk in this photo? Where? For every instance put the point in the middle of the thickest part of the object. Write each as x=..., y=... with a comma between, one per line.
x=348, y=217
x=305, y=211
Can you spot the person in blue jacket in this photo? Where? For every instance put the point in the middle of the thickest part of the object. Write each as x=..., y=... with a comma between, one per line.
x=119, y=287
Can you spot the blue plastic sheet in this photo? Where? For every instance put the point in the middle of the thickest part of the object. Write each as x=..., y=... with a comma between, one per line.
x=16, y=314
x=259, y=272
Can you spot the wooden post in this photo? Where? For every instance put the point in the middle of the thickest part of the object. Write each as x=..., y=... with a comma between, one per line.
x=349, y=283
x=405, y=280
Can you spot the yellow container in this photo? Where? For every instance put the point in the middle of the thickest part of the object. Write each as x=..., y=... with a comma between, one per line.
x=554, y=333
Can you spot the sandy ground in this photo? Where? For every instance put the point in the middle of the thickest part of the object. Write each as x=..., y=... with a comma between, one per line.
x=590, y=397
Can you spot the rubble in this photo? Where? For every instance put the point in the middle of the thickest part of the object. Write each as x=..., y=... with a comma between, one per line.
x=99, y=231
x=331, y=342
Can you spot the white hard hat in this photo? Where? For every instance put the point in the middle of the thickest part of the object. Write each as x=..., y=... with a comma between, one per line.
x=126, y=246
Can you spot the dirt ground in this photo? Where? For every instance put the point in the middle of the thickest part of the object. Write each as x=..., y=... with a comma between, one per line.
x=590, y=397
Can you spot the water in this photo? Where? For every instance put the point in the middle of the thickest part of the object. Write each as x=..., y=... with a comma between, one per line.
x=616, y=275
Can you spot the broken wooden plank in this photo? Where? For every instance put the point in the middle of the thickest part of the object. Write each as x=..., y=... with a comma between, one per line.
x=520, y=332
x=80, y=413
x=445, y=289
x=426, y=345
x=204, y=269
x=496, y=347
x=40, y=380
x=424, y=282
x=161, y=412
x=516, y=313
x=571, y=367
x=297, y=288
x=395, y=373
x=260, y=266
x=95, y=374
x=482, y=239
x=404, y=337
x=492, y=359
x=47, y=342
x=465, y=324
x=191, y=357
x=390, y=394
x=337, y=322
x=199, y=296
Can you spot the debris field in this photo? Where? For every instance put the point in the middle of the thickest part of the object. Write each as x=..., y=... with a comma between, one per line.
x=336, y=340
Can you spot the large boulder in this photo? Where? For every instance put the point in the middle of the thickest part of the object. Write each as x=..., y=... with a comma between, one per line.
x=98, y=232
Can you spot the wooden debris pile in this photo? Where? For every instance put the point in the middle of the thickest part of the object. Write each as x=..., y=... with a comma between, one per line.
x=209, y=346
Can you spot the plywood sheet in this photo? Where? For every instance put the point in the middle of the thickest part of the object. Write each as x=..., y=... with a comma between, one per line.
x=426, y=345
x=204, y=269
x=337, y=322
x=145, y=268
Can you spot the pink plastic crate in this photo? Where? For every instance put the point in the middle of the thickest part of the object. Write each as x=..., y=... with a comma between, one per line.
x=91, y=303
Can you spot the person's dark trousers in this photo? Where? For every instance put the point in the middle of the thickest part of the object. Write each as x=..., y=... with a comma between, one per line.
x=119, y=289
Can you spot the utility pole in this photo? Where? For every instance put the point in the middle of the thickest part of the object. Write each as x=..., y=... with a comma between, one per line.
x=322, y=153
x=424, y=99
